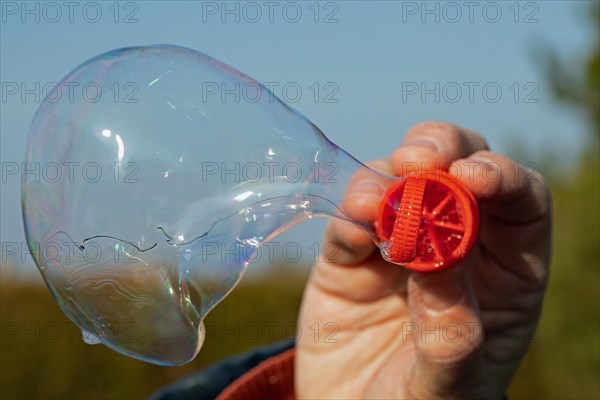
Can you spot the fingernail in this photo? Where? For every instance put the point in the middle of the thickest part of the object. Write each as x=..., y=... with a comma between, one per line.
x=422, y=142
x=441, y=291
x=480, y=160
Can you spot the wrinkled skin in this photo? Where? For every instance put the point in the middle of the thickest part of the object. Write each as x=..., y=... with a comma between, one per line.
x=381, y=340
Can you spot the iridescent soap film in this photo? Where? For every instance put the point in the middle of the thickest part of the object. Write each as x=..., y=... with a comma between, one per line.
x=162, y=173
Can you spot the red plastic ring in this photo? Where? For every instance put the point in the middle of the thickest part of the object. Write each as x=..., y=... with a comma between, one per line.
x=429, y=220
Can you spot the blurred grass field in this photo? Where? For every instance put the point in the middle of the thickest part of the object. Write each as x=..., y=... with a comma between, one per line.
x=44, y=357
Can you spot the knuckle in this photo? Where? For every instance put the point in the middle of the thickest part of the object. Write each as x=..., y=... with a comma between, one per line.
x=436, y=131
x=457, y=353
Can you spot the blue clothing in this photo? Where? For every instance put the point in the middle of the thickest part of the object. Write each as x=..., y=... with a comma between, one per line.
x=210, y=382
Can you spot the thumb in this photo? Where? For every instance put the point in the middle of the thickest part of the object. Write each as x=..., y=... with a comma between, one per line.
x=447, y=333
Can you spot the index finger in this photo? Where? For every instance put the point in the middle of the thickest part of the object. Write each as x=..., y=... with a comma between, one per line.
x=435, y=145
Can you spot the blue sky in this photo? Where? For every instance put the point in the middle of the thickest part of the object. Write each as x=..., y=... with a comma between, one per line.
x=362, y=68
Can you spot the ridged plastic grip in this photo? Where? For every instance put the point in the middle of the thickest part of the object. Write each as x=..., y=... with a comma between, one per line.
x=403, y=247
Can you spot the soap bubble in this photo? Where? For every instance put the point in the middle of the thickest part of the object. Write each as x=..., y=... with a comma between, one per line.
x=169, y=171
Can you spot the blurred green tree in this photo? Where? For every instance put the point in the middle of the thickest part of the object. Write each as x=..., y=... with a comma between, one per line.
x=564, y=358
x=576, y=82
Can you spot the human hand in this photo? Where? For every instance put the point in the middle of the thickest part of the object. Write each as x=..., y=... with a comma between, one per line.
x=458, y=333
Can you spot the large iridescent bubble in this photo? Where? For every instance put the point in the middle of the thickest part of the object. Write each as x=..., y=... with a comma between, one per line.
x=163, y=172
